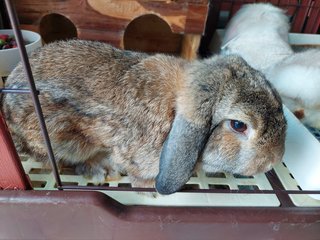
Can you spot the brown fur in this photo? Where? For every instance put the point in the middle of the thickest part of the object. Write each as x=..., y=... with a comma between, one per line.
x=299, y=113
x=108, y=109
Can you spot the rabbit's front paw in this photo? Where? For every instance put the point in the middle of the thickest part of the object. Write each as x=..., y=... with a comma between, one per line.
x=95, y=172
x=139, y=183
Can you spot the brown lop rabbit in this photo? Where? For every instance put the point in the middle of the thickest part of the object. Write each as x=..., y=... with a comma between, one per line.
x=152, y=117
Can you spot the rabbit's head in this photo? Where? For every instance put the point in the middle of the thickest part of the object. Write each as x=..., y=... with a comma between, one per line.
x=228, y=117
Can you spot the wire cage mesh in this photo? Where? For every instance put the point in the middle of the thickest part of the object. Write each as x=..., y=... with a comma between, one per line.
x=304, y=14
x=203, y=189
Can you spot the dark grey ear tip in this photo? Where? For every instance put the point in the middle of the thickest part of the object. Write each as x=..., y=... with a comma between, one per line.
x=179, y=154
x=163, y=188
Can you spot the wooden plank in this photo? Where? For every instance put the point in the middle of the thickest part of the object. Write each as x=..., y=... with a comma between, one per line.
x=173, y=13
x=190, y=46
x=196, y=19
x=182, y=16
x=12, y=175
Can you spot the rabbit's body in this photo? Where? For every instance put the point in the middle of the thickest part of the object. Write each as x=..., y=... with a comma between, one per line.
x=297, y=79
x=89, y=116
x=258, y=33
x=119, y=111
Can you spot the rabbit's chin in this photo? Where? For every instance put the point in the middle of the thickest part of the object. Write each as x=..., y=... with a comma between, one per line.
x=219, y=166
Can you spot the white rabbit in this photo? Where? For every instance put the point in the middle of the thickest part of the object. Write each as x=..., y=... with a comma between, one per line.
x=259, y=34
x=297, y=78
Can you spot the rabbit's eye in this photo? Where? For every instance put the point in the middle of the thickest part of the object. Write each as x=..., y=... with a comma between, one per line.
x=238, y=126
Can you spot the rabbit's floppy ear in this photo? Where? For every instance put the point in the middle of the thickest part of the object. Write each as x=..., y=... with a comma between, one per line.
x=180, y=153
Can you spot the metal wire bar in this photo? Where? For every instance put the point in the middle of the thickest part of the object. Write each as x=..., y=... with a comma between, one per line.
x=277, y=185
x=232, y=191
x=25, y=62
x=19, y=91
x=279, y=3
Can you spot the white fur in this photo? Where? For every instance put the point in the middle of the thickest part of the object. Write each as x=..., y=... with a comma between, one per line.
x=259, y=34
x=297, y=79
